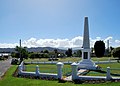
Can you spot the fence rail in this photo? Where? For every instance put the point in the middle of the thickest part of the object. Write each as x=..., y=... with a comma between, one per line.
x=46, y=62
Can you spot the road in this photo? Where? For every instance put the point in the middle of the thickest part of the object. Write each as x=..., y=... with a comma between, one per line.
x=4, y=65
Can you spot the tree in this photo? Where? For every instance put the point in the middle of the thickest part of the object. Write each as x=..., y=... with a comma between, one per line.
x=56, y=53
x=21, y=52
x=111, y=48
x=69, y=52
x=13, y=54
x=92, y=50
x=116, y=52
x=46, y=51
x=42, y=51
x=99, y=48
x=79, y=53
x=34, y=55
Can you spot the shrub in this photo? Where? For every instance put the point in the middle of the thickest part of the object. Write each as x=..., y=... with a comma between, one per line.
x=116, y=52
x=14, y=61
x=99, y=48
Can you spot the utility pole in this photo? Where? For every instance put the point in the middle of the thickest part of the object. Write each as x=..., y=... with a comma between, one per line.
x=20, y=52
x=108, y=45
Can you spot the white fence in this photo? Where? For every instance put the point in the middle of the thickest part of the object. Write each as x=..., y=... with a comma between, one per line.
x=70, y=62
x=74, y=76
x=47, y=62
x=38, y=74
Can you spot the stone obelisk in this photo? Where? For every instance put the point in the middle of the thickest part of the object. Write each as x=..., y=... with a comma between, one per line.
x=86, y=42
x=86, y=61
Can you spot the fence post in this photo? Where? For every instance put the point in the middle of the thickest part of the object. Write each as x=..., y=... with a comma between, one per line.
x=59, y=70
x=109, y=60
x=23, y=66
x=68, y=62
x=74, y=70
x=19, y=69
x=37, y=70
x=108, y=76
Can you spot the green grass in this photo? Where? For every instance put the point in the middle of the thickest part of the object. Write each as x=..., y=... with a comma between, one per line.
x=67, y=69
x=101, y=59
x=72, y=59
x=111, y=65
x=45, y=68
x=114, y=68
x=8, y=80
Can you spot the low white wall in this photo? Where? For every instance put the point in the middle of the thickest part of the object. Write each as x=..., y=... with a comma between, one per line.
x=50, y=62
x=75, y=76
x=37, y=72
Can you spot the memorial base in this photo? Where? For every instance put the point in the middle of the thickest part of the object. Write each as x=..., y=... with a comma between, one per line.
x=87, y=64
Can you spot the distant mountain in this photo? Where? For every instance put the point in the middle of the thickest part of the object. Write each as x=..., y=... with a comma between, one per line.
x=75, y=48
x=7, y=50
x=39, y=49
x=33, y=49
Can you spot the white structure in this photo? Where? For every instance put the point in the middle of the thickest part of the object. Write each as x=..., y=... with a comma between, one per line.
x=75, y=76
x=21, y=71
x=59, y=70
x=86, y=61
x=74, y=70
x=108, y=76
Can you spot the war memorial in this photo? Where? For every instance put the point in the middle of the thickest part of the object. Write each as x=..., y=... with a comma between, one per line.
x=79, y=70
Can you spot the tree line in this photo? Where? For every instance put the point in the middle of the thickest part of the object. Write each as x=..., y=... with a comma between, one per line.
x=99, y=51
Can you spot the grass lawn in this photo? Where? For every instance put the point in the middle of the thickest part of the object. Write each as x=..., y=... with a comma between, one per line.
x=101, y=59
x=9, y=80
x=72, y=59
x=114, y=68
x=67, y=68
x=45, y=68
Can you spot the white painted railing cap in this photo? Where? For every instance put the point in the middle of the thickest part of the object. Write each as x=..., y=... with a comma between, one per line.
x=60, y=63
x=37, y=66
x=74, y=64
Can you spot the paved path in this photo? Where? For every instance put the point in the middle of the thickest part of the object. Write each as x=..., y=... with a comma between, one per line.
x=4, y=65
x=81, y=71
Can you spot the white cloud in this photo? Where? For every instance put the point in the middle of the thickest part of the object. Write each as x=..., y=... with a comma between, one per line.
x=117, y=41
x=8, y=45
x=77, y=41
x=108, y=38
x=58, y=43
x=110, y=41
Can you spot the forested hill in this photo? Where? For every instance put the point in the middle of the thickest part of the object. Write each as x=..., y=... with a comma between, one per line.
x=37, y=49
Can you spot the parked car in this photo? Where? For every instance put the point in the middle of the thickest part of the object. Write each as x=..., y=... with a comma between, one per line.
x=52, y=59
x=14, y=61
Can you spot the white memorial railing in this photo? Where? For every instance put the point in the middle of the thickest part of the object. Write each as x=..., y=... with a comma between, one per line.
x=74, y=75
x=38, y=74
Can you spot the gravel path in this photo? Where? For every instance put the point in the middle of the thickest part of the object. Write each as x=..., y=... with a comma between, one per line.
x=4, y=65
